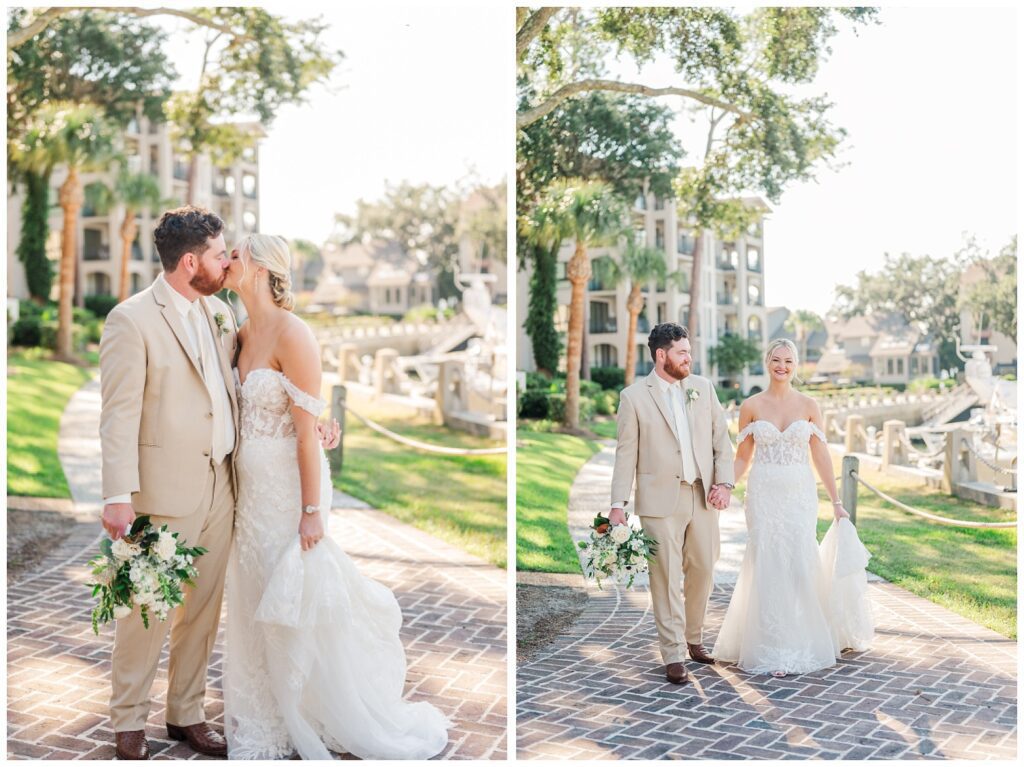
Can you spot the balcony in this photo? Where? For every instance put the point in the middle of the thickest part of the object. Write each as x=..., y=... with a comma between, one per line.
x=643, y=325
x=686, y=245
x=596, y=284
x=137, y=252
x=609, y=325
x=96, y=253
x=181, y=170
x=726, y=299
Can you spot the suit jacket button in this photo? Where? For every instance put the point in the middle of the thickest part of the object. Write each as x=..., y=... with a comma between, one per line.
x=209, y=415
x=206, y=453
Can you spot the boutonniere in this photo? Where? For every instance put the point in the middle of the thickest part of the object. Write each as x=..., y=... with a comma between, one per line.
x=221, y=324
x=692, y=395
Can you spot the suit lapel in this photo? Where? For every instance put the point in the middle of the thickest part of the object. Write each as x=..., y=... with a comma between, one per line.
x=173, y=318
x=222, y=357
x=655, y=391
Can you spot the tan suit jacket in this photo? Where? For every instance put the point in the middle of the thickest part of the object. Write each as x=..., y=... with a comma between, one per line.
x=156, y=423
x=647, y=448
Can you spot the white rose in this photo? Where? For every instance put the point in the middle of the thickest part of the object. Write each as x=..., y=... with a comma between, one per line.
x=144, y=597
x=621, y=533
x=122, y=611
x=121, y=550
x=166, y=546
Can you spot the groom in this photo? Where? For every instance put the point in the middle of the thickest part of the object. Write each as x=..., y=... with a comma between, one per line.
x=168, y=428
x=673, y=439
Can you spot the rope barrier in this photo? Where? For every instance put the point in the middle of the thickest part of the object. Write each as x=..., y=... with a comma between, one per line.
x=925, y=514
x=994, y=467
x=423, y=445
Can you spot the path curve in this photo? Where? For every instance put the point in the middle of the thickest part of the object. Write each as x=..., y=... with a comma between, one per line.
x=934, y=685
x=58, y=686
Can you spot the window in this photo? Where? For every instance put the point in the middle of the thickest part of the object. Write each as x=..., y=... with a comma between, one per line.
x=753, y=259
x=754, y=294
x=601, y=320
x=249, y=154
x=93, y=248
x=229, y=184
x=644, y=365
x=899, y=367
x=662, y=312
x=659, y=203
x=659, y=234
x=686, y=243
x=889, y=366
x=754, y=328
x=249, y=185
x=97, y=283
x=154, y=160
x=136, y=283
x=641, y=202
x=249, y=220
x=605, y=356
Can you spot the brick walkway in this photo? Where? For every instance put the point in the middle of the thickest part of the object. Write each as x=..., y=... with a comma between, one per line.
x=934, y=685
x=58, y=684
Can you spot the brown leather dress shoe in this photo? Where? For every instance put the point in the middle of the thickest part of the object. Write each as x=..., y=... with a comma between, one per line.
x=202, y=738
x=131, y=744
x=676, y=673
x=698, y=653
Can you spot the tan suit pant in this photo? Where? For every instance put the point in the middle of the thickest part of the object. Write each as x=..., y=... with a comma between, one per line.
x=193, y=625
x=688, y=547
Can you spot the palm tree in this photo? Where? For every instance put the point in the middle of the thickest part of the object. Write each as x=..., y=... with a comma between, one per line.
x=802, y=324
x=640, y=264
x=589, y=213
x=82, y=139
x=138, y=192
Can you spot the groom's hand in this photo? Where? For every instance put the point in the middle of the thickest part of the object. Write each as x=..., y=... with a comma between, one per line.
x=616, y=516
x=116, y=517
x=329, y=438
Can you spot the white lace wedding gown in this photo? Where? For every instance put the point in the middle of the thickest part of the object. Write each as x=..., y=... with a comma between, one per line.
x=313, y=658
x=793, y=609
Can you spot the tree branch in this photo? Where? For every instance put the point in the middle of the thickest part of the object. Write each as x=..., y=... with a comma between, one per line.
x=529, y=116
x=16, y=38
x=531, y=28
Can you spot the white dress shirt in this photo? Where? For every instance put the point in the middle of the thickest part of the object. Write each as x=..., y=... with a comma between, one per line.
x=201, y=339
x=674, y=396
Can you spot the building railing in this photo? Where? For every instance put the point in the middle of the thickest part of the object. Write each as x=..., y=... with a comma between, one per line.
x=607, y=326
x=726, y=299
x=101, y=253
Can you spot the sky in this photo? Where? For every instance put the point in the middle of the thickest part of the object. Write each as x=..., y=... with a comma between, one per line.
x=422, y=95
x=928, y=98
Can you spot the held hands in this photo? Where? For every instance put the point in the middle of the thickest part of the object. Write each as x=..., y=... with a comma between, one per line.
x=311, y=530
x=719, y=496
x=329, y=437
x=116, y=517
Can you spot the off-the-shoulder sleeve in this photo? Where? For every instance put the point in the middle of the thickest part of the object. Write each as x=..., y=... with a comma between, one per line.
x=745, y=433
x=312, y=405
x=816, y=432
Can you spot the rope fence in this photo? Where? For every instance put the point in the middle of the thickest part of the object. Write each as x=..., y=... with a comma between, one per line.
x=996, y=468
x=855, y=475
x=424, y=445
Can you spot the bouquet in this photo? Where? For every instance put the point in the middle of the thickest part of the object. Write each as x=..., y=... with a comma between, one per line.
x=146, y=568
x=618, y=552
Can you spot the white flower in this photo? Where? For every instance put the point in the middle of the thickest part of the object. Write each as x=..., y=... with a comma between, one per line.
x=122, y=611
x=144, y=597
x=121, y=550
x=621, y=533
x=166, y=546
x=692, y=395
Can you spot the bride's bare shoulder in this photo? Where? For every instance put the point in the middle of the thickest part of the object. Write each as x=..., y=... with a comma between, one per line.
x=750, y=406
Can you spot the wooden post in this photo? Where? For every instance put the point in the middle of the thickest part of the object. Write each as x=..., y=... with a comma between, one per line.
x=848, y=490
x=338, y=396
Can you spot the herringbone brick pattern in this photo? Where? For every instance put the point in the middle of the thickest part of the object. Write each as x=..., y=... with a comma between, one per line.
x=934, y=686
x=58, y=684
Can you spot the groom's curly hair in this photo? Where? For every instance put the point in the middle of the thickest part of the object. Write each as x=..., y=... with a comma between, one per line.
x=185, y=230
x=664, y=335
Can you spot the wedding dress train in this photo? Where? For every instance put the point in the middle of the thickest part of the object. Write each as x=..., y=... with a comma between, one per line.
x=313, y=658
x=794, y=608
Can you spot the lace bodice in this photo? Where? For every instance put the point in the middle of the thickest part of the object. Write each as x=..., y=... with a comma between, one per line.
x=782, y=448
x=266, y=400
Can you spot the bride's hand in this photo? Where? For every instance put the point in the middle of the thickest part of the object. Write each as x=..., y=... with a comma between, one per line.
x=329, y=438
x=311, y=530
x=840, y=512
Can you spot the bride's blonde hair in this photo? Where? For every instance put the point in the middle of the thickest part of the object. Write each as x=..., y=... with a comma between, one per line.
x=271, y=252
x=779, y=343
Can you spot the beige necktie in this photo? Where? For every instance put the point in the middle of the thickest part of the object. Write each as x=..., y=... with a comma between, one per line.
x=685, y=443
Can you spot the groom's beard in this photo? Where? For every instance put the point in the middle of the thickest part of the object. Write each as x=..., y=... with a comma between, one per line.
x=678, y=372
x=207, y=284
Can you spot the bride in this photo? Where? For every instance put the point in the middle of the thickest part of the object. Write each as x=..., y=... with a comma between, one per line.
x=313, y=659
x=781, y=618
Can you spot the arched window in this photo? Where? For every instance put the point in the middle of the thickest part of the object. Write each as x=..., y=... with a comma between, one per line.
x=605, y=356
x=97, y=283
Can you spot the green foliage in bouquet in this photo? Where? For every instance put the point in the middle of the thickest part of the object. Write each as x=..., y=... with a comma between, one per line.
x=147, y=568
x=614, y=559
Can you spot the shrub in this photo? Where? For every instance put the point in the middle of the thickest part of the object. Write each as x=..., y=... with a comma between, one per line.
x=606, y=403
x=609, y=377
x=536, y=380
x=729, y=395
x=100, y=304
x=27, y=331
x=589, y=388
x=533, y=403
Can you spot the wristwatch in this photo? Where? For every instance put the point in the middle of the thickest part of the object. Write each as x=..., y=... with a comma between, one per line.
x=310, y=509
x=729, y=485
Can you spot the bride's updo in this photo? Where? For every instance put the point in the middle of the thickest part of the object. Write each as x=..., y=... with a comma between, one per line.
x=271, y=252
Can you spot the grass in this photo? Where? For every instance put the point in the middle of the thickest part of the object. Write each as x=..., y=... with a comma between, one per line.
x=38, y=389
x=459, y=499
x=546, y=464
x=970, y=571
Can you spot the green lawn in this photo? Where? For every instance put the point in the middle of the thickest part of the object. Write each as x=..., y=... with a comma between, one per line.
x=605, y=427
x=972, y=572
x=460, y=499
x=38, y=389
x=546, y=464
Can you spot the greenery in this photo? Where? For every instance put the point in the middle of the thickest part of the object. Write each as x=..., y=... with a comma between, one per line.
x=972, y=572
x=800, y=325
x=542, y=305
x=921, y=290
x=993, y=299
x=613, y=377
x=546, y=464
x=38, y=390
x=100, y=304
x=35, y=228
x=467, y=509
x=733, y=353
